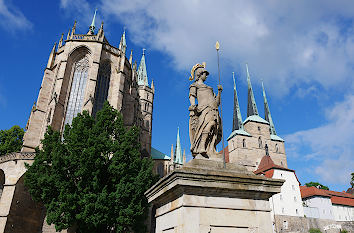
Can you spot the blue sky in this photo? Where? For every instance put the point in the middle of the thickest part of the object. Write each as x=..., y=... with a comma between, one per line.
x=303, y=50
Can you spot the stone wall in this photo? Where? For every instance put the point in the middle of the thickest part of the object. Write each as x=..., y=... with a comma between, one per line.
x=303, y=224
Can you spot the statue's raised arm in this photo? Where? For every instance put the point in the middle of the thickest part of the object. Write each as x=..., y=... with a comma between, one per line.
x=204, y=124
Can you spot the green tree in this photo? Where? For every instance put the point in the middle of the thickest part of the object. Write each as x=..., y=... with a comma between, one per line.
x=11, y=139
x=352, y=181
x=94, y=178
x=315, y=230
x=317, y=185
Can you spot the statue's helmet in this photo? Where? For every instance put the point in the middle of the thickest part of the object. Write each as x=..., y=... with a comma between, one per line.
x=197, y=70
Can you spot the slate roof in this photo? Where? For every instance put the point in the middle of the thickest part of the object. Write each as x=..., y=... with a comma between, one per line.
x=156, y=154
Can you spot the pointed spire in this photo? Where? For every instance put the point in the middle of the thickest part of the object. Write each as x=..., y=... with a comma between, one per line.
x=123, y=42
x=92, y=26
x=267, y=116
x=142, y=73
x=184, y=156
x=251, y=107
x=73, y=29
x=51, y=57
x=152, y=85
x=61, y=41
x=131, y=57
x=178, y=152
x=100, y=33
x=237, y=118
x=172, y=155
x=68, y=36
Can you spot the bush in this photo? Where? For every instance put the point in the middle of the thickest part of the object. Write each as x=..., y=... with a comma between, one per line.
x=315, y=230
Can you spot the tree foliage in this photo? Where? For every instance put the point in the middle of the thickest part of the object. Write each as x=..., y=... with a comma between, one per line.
x=352, y=181
x=11, y=139
x=94, y=177
x=317, y=185
x=315, y=230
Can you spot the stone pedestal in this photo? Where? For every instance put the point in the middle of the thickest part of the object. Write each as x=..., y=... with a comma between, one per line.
x=203, y=197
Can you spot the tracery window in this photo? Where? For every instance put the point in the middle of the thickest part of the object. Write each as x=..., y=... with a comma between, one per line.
x=76, y=97
x=104, y=77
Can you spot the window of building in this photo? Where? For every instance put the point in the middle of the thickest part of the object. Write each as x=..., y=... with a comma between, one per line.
x=259, y=142
x=2, y=181
x=276, y=148
x=293, y=187
x=295, y=199
x=281, y=197
x=259, y=128
x=102, y=86
x=285, y=225
x=76, y=97
x=147, y=96
x=283, y=210
x=297, y=211
x=281, y=174
x=244, y=143
x=281, y=162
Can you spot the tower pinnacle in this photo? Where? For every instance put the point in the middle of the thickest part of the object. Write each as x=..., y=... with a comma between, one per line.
x=267, y=115
x=142, y=73
x=92, y=26
x=178, y=153
x=123, y=42
x=237, y=118
x=251, y=106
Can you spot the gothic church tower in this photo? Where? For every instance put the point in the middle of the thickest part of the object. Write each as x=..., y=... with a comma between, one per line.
x=82, y=72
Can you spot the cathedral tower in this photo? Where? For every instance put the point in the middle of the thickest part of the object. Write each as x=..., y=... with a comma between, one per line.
x=82, y=72
x=249, y=138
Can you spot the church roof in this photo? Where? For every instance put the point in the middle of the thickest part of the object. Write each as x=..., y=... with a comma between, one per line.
x=267, y=166
x=256, y=118
x=238, y=132
x=237, y=123
x=251, y=105
x=276, y=138
x=156, y=154
x=142, y=73
x=178, y=152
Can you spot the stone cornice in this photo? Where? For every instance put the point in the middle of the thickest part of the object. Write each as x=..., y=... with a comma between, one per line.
x=17, y=156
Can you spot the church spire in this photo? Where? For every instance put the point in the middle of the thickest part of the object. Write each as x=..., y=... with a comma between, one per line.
x=251, y=106
x=178, y=152
x=123, y=42
x=131, y=57
x=237, y=118
x=92, y=26
x=267, y=116
x=142, y=73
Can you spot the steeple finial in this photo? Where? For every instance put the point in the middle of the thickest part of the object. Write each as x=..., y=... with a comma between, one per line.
x=61, y=41
x=68, y=36
x=131, y=57
x=142, y=73
x=92, y=26
x=251, y=107
x=267, y=114
x=73, y=29
x=152, y=85
x=237, y=118
x=51, y=57
x=178, y=152
x=123, y=42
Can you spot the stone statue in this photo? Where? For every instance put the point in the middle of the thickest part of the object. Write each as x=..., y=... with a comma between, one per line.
x=205, y=129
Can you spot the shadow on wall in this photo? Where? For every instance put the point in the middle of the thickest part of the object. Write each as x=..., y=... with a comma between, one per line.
x=2, y=181
x=26, y=216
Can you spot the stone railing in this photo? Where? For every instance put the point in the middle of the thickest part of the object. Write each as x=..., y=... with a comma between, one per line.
x=17, y=156
x=84, y=37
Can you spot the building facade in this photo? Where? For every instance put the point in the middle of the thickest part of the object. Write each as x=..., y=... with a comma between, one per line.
x=83, y=72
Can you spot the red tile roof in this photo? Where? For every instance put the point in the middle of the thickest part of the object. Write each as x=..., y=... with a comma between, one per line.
x=339, y=198
x=267, y=164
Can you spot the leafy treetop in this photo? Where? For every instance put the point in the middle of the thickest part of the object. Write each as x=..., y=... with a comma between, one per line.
x=317, y=185
x=94, y=177
x=11, y=139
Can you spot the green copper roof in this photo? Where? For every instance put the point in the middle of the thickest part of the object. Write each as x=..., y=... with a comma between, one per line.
x=92, y=26
x=267, y=115
x=142, y=73
x=256, y=118
x=276, y=138
x=155, y=154
x=251, y=106
x=178, y=151
x=237, y=118
x=238, y=132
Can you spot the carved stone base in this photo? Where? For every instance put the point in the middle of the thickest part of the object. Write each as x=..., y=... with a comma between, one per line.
x=203, y=197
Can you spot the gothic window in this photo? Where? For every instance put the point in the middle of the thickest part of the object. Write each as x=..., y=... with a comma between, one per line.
x=76, y=97
x=259, y=142
x=2, y=181
x=276, y=148
x=244, y=143
x=102, y=86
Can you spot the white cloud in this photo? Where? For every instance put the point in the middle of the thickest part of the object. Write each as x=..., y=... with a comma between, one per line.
x=330, y=148
x=13, y=19
x=284, y=42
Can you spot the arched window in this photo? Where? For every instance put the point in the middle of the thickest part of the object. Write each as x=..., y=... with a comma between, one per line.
x=259, y=142
x=244, y=143
x=160, y=170
x=2, y=181
x=276, y=148
x=76, y=97
x=102, y=86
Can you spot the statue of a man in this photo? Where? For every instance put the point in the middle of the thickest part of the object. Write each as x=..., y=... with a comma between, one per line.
x=205, y=129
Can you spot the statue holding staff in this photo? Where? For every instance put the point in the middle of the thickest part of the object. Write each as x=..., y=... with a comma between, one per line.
x=205, y=128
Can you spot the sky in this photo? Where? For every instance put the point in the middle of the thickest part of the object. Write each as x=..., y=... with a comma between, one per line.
x=302, y=50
